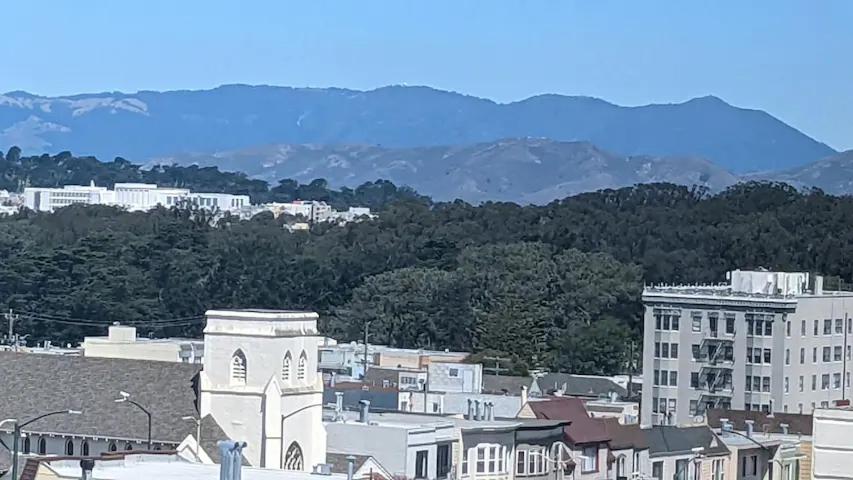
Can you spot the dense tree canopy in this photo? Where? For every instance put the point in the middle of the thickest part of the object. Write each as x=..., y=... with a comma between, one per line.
x=554, y=286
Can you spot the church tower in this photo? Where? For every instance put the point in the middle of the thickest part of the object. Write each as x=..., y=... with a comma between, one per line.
x=260, y=383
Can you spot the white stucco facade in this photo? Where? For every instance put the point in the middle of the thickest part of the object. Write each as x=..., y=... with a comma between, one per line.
x=832, y=456
x=260, y=382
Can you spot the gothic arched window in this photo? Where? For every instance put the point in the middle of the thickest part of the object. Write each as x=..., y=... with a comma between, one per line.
x=286, y=367
x=293, y=458
x=238, y=368
x=302, y=366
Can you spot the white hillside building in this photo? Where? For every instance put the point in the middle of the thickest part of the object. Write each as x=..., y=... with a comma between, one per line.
x=260, y=381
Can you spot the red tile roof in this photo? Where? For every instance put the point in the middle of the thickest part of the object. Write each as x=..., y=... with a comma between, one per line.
x=583, y=429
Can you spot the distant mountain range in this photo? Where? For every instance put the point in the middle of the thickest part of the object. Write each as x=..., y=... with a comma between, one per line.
x=443, y=144
x=149, y=124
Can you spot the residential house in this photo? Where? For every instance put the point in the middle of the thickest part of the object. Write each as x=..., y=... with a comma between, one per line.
x=364, y=467
x=687, y=453
x=581, y=386
x=761, y=442
x=629, y=449
x=586, y=438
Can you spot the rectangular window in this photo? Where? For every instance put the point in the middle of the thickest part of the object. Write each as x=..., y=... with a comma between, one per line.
x=759, y=327
x=814, y=382
x=748, y=384
x=656, y=380
x=824, y=381
x=814, y=355
x=716, y=470
x=657, y=470
x=786, y=384
x=787, y=356
x=682, y=467
x=713, y=324
x=848, y=352
x=673, y=378
x=800, y=383
x=694, y=379
x=697, y=322
x=802, y=356
x=694, y=406
x=421, y=457
x=768, y=328
x=696, y=352
x=657, y=349
x=788, y=328
x=767, y=355
x=827, y=327
x=453, y=372
x=827, y=353
x=849, y=325
x=673, y=350
x=749, y=325
x=665, y=322
x=664, y=350
x=765, y=384
x=590, y=459
x=756, y=383
x=443, y=463
x=839, y=325
x=803, y=328
x=675, y=323
x=730, y=325
x=481, y=460
x=836, y=381
x=521, y=466
x=816, y=326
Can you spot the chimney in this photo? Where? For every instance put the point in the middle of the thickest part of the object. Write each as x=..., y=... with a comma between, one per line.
x=470, y=415
x=725, y=426
x=364, y=411
x=350, y=466
x=818, y=285
x=478, y=414
x=487, y=407
x=523, y=395
x=339, y=406
x=749, y=427
x=784, y=427
x=491, y=411
x=332, y=380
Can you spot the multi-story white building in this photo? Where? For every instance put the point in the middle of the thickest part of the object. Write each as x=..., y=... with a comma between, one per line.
x=49, y=199
x=769, y=341
x=132, y=196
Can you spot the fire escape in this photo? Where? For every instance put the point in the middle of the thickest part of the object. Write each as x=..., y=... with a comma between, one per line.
x=715, y=374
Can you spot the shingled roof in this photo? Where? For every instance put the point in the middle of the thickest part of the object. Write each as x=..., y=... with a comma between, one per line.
x=579, y=385
x=583, y=428
x=798, y=424
x=505, y=384
x=34, y=384
x=625, y=436
x=671, y=440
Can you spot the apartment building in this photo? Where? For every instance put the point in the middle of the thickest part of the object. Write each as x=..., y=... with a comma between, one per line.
x=49, y=199
x=768, y=341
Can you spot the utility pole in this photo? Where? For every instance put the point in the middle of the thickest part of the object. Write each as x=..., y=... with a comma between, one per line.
x=366, y=329
x=11, y=317
x=630, y=369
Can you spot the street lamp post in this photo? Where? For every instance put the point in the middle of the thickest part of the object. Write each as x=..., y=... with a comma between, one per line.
x=125, y=398
x=16, y=433
x=197, y=435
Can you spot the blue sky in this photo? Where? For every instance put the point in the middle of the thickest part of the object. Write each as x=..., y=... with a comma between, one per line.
x=790, y=58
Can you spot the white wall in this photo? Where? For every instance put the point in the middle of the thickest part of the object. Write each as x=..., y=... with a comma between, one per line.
x=832, y=456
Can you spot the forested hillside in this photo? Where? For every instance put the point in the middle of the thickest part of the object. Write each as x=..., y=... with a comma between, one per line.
x=18, y=172
x=556, y=286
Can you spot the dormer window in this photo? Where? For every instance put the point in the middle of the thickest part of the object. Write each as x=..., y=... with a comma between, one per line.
x=238, y=368
x=286, y=366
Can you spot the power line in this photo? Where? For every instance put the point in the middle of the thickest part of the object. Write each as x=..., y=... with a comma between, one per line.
x=155, y=323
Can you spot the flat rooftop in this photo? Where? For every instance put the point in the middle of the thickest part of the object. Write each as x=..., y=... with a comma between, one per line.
x=422, y=420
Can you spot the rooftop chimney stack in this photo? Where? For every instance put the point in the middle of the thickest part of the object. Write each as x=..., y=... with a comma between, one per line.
x=478, y=414
x=364, y=411
x=470, y=415
x=784, y=428
x=750, y=424
x=339, y=406
x=523, y=395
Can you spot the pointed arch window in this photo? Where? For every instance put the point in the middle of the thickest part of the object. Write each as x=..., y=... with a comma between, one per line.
x=27, y=448
x=238, y=368
x=113, y=447
x=42, y=446
x=84, y=448
x=293, y=458
x=286, y=366
x=69, y=447
x=302, y=366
